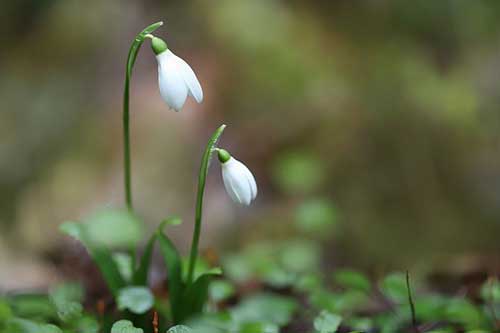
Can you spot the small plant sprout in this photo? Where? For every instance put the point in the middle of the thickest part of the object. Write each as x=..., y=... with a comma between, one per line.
x=176, y=78
x=238, y=180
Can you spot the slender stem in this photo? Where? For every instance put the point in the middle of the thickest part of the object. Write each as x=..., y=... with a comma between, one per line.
x=205, y=162
x=132, y=55
x=412, y=305
x=126, y=144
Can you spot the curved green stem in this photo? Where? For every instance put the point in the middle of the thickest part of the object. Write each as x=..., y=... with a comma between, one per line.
x=205, y=163
x=132, y=56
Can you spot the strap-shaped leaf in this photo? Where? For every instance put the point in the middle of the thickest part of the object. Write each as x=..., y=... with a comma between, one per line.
x=101, y=256
x=196, y=294
x=141, y=274
x=174, y=271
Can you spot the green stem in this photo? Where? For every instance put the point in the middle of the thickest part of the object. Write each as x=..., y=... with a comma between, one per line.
x=126, y=145
x=132, y=56
x=205, y=162
x=412, y=305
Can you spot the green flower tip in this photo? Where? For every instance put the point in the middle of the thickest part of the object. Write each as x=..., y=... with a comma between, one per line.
x=158, y=45
x=223, y=155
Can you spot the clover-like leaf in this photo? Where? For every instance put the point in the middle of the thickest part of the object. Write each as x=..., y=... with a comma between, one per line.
x=220, y=290
x=136, y=299
x=265, y=308
x=179, y=329
x=327, y=322
x=66, y=299
x=125, y=326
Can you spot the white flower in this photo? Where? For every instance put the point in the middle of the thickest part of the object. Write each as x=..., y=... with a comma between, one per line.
x=175, y=77
x=238, y=180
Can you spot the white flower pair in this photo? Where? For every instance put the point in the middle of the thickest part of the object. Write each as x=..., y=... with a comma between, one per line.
x=177, y=80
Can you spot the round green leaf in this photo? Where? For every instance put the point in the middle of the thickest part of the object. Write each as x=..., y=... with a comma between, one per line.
x=113, y=228
x=125, y=326
x=136, y=299
x=220, y=290
x=180, y=329
x=327, y=322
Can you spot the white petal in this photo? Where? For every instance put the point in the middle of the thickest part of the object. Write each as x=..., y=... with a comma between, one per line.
x=251, y=181
x=230, y=187
x=173, y=88
x=239, y=181
x=190, y=79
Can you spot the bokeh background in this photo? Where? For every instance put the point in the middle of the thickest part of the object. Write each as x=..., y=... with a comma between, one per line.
x=372, y=127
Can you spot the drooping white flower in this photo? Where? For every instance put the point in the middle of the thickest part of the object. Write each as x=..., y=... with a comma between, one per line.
x=238, y=180
x=176, y=78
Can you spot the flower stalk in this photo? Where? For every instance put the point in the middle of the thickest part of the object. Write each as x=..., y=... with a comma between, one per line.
x=132, y=56
x=202, y=177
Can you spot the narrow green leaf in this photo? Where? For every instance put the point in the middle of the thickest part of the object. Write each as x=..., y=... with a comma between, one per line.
x=109, y=270
x=136, y=299
x=174, y=271
x=125, y=326
x=172, y=220
x=101, y=256
x=141, y=274
x=196, y=294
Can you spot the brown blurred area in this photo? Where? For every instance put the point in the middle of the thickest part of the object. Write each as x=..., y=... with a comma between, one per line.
x=381, y=117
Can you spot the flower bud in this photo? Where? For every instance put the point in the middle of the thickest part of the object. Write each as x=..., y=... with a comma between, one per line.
x=238, y=180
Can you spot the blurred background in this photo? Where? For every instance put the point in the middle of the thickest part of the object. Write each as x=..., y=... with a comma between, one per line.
x=372, y=127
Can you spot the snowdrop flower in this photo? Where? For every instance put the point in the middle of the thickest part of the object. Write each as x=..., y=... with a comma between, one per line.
x=175, y=77
x=238, y=180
